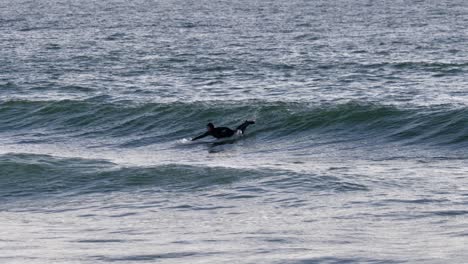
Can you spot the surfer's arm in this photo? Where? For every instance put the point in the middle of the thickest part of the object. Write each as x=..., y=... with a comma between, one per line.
x=201, y=136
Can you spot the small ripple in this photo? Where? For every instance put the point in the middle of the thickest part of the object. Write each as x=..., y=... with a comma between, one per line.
x=415, y=201
x=186, y=207
x=123, y=215
x=241, y=196
x=449, y=212
x=101, y=241
x=153, y=257
x=335, y=260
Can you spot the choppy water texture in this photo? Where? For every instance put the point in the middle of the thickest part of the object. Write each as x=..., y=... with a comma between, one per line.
x=358, y=154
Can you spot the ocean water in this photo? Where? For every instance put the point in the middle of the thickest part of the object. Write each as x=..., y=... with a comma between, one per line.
x=359, y=153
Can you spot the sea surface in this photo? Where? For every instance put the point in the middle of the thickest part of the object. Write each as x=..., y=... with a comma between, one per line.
x=359, y=153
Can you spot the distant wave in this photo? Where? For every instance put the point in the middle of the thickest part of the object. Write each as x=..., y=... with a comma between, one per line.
x=425, y=66
x=171, y=121
x=421, y=65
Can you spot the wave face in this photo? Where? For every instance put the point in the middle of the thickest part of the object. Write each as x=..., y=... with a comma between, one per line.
x=275, y=120
x=41, y=176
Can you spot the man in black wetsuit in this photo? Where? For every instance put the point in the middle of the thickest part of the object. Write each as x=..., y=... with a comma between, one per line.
x=223, y=132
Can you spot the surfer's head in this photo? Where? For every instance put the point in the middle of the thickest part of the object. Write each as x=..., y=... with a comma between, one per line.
x=210, y=126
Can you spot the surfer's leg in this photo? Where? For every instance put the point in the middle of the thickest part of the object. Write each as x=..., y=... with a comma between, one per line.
x=244, y=125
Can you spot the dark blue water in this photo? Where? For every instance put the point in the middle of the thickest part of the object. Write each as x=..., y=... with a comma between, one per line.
x=358, y=155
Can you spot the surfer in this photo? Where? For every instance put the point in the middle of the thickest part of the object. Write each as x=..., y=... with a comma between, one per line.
x=223, y=132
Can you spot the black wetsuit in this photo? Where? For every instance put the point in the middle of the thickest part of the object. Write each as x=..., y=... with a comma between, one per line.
x=223, y=132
